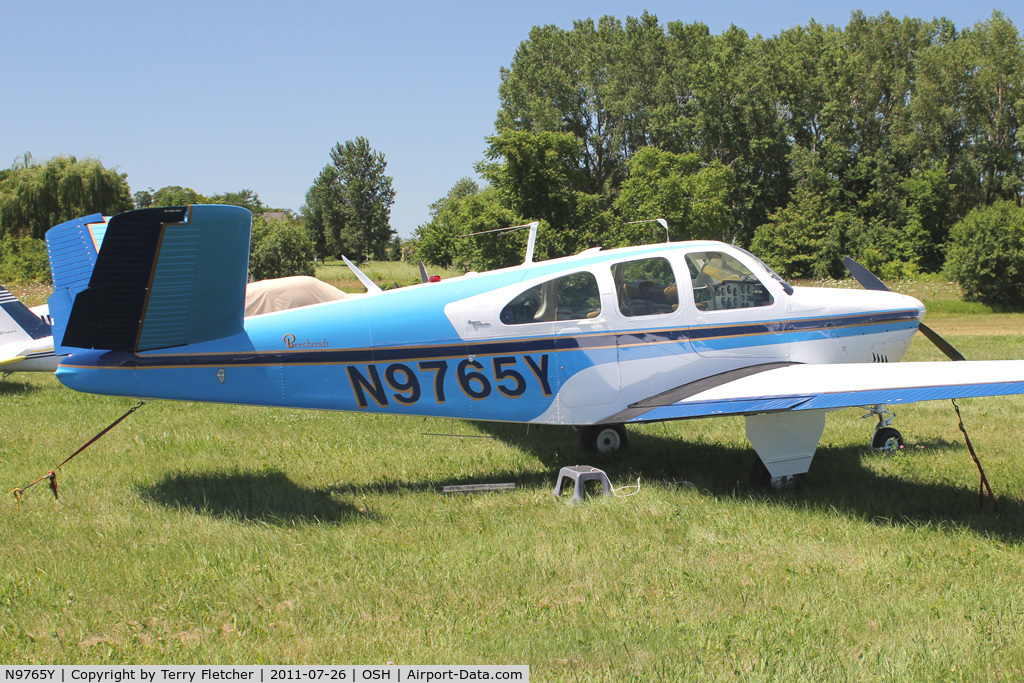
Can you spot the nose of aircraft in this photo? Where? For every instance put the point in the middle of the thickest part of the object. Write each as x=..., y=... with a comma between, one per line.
x=894, y=301
x=911, y=302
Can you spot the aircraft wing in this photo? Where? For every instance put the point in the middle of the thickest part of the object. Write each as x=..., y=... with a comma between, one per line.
x=780, y=387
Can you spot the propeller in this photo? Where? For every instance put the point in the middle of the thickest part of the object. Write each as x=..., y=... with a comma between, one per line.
x=868, y=280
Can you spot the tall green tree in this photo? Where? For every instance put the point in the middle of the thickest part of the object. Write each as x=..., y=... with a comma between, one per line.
x=535, y=173
x=322, y=211
x=452, y=216
x=640, y=58
x=539, y=176
x=894, y=127
x=806, y=238
x=559, y=83
x=996, y=107
x=245, y=198
x=619, y=88
x=348, y=207
x=738, y=125
x=466, y=209
x=176, y=195
x=36, y=196
x=692, y=197
x=143, y=199
x=279, y=248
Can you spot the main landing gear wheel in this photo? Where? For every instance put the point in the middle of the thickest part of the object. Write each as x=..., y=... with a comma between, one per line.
x=604, y=438
x=887, y=439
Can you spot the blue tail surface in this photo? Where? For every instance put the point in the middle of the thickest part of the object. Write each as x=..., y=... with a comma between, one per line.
x=156, y=278
x=72, y=248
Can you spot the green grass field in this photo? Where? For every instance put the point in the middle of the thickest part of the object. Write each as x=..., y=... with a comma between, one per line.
x=388, y=274
x=224, y=534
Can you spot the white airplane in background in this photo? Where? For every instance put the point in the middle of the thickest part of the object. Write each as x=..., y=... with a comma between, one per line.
x=26, y=341
x=598, y=341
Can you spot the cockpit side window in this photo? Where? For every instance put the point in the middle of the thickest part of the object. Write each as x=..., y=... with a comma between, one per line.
x=646, y=287
x=570, y=297
x=720, y=283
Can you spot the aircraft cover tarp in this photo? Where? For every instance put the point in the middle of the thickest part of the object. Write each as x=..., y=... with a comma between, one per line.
x=267, y=296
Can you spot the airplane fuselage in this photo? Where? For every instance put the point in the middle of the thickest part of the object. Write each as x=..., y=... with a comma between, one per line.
x=569, y=341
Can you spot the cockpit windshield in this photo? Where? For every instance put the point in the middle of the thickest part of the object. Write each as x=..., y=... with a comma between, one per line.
x=720, y=282
x=788, y=288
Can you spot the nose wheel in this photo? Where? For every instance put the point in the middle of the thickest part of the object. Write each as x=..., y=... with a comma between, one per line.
x=604, y=438
x=886, y=438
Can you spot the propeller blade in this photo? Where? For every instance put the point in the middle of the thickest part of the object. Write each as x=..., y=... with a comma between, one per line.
x=943, y=345
x=868, y=280
x=423, y=272
x=865, y=277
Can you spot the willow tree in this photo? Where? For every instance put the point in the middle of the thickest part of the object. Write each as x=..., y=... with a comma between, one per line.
x=36, y=196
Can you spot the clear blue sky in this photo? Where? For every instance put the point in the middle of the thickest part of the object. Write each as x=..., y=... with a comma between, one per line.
x=220, y=96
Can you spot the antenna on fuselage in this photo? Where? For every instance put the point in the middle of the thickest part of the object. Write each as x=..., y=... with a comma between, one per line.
x=531, y=241
x=661, y=221
x=371, y=286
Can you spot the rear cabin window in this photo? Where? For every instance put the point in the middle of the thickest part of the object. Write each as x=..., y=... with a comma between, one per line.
x=721, y=283
x=646, y=287
x=571, y=297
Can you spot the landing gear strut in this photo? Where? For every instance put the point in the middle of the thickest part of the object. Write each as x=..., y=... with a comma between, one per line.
x=604, y=438
x=886, y=438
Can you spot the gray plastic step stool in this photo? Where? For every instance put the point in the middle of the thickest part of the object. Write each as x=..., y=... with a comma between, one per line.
x=581, y=474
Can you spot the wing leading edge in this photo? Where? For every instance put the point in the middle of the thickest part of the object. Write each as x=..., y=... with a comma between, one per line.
x=779, y=388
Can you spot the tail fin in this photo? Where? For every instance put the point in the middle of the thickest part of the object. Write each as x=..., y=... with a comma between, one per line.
x=163, y=277
x=72, y=248
x=18, y=323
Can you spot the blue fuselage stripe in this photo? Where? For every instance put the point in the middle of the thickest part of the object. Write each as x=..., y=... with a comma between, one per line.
x=704, y=337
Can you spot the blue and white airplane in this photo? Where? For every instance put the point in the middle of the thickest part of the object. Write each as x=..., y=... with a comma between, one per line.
x=599, y=340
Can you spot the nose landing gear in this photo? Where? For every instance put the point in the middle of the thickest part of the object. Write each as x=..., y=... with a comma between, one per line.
x=885, y=438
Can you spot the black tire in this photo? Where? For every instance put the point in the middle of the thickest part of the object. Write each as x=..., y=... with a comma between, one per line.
x=887, y=439
x=604, y=438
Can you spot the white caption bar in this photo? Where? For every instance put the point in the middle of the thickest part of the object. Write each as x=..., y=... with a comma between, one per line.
x=389, y=673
